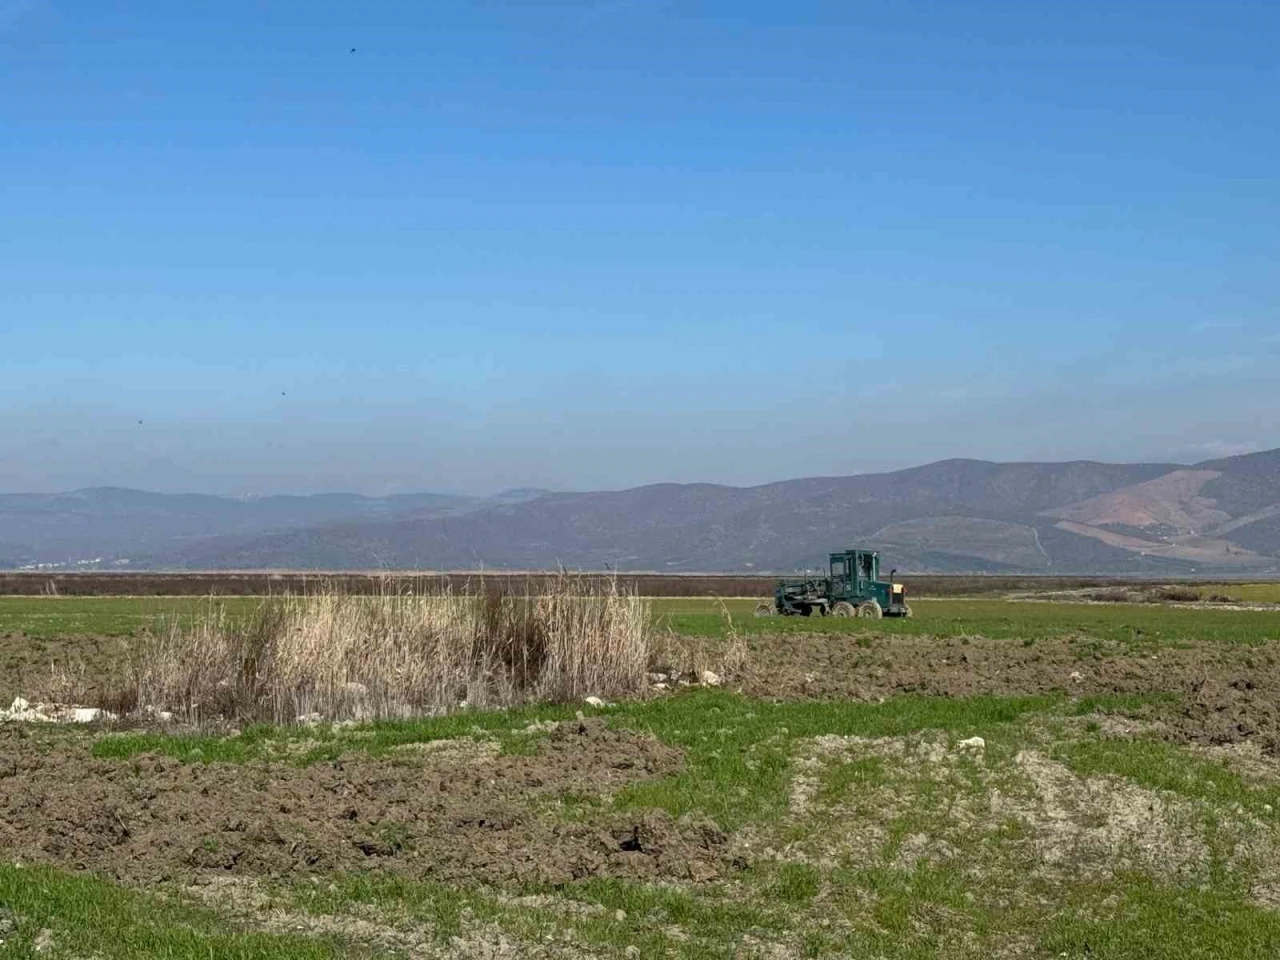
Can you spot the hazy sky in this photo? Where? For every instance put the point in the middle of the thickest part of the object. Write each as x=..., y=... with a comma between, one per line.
x=594, y=244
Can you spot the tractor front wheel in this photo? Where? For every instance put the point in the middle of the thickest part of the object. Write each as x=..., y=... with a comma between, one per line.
x=843, y=608
x=870, y=610
x=764, y=609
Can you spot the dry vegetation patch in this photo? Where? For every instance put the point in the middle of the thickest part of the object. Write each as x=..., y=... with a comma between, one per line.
x=335, y=656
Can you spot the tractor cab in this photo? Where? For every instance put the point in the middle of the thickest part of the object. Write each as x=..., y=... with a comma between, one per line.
x=855, y=565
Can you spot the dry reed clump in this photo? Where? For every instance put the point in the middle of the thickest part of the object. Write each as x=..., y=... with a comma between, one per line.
x=338, y=656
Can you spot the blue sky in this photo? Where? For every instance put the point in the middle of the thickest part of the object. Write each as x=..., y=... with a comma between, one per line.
x=598, y=243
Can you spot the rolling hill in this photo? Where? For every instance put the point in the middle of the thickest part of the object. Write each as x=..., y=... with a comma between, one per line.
x=1221, y=516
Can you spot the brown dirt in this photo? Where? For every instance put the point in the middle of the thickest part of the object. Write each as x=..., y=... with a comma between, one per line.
x=445, y=814
x=1225, y=694
x=72, y=669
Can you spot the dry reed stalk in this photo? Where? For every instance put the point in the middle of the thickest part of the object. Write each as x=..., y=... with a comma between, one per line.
x=398, y=654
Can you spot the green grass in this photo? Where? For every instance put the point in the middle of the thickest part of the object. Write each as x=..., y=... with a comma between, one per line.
x=997, y=619
x=324, y=743
x=87, y=917
x=1246, y=592
x=52, y=617
x=1137, y=919
x=739, y=764
x=1163, y=766
x=738, y=750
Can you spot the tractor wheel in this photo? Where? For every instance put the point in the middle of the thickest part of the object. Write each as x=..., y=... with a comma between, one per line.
x=843, y=608
x=870, y=610
x=764, y=610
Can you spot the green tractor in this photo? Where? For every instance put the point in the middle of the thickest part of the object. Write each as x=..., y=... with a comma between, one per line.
x=852, y=588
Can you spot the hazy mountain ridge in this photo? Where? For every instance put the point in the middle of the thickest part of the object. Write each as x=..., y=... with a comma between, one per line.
x=953, y=515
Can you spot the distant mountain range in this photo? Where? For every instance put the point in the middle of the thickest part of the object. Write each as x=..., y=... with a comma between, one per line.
x=1220, y=516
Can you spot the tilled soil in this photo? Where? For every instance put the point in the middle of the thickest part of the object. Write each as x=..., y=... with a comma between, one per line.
x=1224, y=693
x=441, y=814
x=61, y=669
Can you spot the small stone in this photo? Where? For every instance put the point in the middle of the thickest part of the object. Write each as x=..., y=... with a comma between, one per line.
x=709, y=678
x=620, y=915
x=973, y=743
x=1075, y=676
x=631, y=951
x=661, y=686
x=593, y=702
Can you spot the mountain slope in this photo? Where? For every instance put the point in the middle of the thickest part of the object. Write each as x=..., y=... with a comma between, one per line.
x=955, y=515
x=110, y=522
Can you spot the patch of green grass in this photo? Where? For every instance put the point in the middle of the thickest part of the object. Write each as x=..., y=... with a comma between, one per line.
x=1246, y=592
x=1138, y=919
x=1164, y=766
x=51, y=617
x=1128, y=623
x=439, y=907
x=324, y=743
x=841, y=779
x=1129, y=703
x=738, y=750
x=87, y=917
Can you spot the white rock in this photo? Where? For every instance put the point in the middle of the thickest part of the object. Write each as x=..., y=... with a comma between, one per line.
x=662, y=686
x=1075, y=675
x=89, y=715
x=593, y=702
x=973, y=743
x=657, y=677
x=709, y=678
x=310, y=719
x=19, y=706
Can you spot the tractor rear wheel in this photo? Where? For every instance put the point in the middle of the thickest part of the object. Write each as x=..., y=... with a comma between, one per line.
x=843, y=608
x=870, y=610
x=764, y=610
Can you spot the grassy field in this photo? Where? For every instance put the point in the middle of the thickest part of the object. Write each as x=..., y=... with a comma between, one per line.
x=866, y=830
x=998, y=619
x=58, y=617
x=1110, y=811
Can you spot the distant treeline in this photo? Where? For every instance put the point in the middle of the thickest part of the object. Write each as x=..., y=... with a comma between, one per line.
x=648, y=584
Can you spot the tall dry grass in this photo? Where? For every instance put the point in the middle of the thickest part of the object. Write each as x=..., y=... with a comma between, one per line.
x=341, y=656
